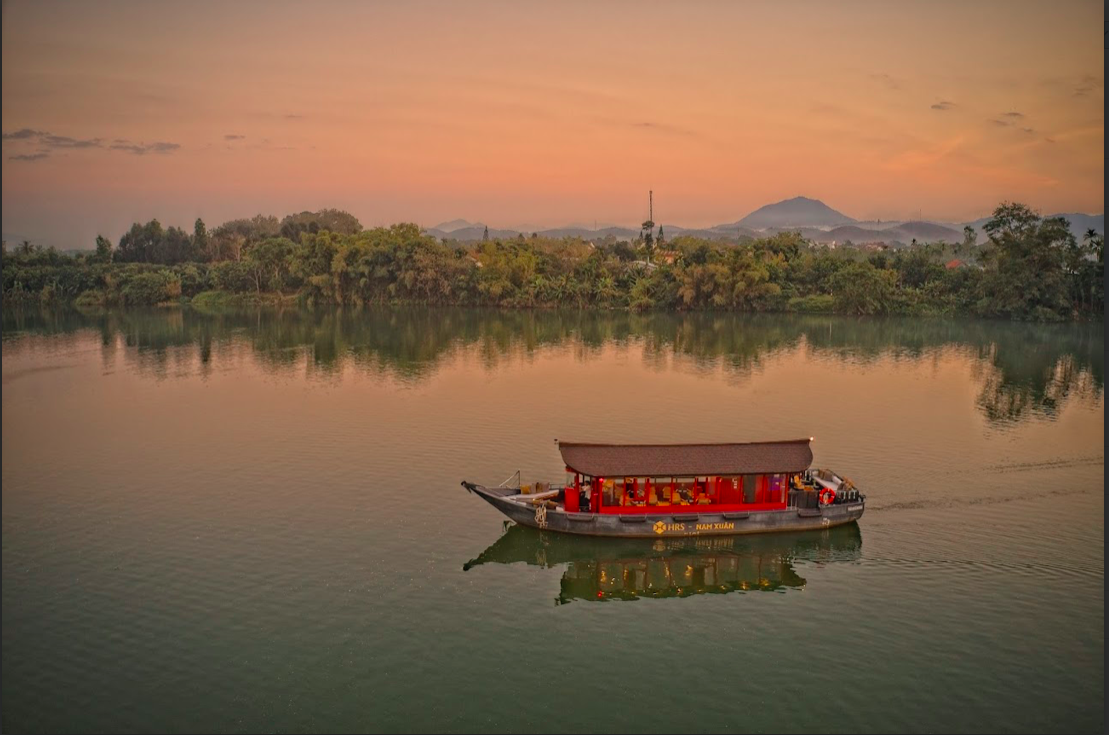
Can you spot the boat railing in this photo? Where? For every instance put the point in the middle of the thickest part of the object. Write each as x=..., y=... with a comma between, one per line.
x=515, y=475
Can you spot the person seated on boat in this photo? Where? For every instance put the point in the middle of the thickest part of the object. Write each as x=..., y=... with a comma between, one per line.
x=632, y=492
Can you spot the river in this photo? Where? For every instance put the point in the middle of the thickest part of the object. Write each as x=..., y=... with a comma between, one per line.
x=252, y=521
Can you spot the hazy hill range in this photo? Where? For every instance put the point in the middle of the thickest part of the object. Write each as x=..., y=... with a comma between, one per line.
x=1079, y=223
x=814, y=219
x=456, y=224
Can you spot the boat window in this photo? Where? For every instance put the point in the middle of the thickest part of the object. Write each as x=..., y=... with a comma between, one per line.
x=777, y=489
x=631, y=491
x=608, y=492
x=664, y=490
x=749, y=485
x=684, y=490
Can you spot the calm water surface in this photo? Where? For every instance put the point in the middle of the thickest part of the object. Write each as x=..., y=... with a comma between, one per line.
x=254, y=522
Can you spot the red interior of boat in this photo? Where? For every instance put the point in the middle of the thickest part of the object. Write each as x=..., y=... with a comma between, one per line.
x=632, y=495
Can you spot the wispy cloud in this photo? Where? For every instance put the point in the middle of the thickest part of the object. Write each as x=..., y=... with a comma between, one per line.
x=887, y=81
x=647, y=126
x=943, y=105
x=48, y=142
x=24, y=134
x=1013, y=115
x=999, y=123
x=664, y=128
x=141, y=149
x=64, y=141
x=233, y=136
x=293, y=116
x=1086, y=84
x=268, y=145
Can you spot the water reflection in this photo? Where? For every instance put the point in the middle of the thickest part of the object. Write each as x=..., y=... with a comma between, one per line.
x=1021, y=369
x=630, y=569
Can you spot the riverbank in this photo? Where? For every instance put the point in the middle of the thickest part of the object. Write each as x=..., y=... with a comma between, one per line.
x=1031, y=269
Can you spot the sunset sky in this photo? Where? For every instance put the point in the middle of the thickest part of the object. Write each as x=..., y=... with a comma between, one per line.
x=542, y=114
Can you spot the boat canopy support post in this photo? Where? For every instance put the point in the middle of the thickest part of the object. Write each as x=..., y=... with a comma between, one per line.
x=516, y=476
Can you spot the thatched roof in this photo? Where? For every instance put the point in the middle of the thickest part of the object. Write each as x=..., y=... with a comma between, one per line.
x=673, y=460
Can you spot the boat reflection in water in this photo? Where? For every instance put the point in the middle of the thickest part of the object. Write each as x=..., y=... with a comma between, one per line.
x=630, y=569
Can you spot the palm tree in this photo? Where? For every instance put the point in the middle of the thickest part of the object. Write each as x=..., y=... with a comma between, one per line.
x=1095, y=243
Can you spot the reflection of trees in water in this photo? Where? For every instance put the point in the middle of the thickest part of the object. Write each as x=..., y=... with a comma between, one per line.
x=1022, y=368
x=1030, y=376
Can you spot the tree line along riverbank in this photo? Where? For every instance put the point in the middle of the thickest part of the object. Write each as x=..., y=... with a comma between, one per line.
x=1029, y=268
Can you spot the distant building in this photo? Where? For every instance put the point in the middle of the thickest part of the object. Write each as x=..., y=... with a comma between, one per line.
x=952, y=264
x=666, y=256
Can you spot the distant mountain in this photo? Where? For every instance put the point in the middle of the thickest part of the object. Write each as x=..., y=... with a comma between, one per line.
x=724, y=232
x=874, y=224
x=809, y=233
x=927, y=232
x=812, y=219
x=475, y=233
x=456, y=224
x=855, y=234
x=792, y=213
x=586, y=226
x=470, y=232
x=1079, y=223
x=620, y=233
x=905, y=232
x=732, y=230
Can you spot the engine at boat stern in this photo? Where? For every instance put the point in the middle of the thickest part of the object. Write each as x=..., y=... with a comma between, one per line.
x=837, y=496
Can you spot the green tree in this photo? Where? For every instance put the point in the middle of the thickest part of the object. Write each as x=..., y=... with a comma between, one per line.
x=326, y=220
x=103, y=250
x=201, y=241
x=1027, y=265
x=647, y=236
x=269, y=262
x=970, y=237
x=860, y=288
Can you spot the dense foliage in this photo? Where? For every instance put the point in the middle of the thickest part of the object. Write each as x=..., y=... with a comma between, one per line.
x=1030, y=268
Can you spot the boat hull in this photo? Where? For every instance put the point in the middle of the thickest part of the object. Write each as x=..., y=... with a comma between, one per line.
x=672, y=524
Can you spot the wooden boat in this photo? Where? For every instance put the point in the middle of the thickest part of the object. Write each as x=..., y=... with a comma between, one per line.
x=653, y=490
x=601, y=569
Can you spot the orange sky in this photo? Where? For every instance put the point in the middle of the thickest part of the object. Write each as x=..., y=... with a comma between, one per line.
x=543, y=114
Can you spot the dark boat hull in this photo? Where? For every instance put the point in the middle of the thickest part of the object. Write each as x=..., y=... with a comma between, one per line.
x=672, y=524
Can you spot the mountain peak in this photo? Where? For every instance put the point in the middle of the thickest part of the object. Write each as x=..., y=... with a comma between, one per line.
x=456, y=224
x=796, y=212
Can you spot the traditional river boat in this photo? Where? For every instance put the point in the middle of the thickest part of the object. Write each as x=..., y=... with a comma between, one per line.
x=653, y=490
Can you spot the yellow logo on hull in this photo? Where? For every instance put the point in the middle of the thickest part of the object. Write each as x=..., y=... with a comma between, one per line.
x=661, y=528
